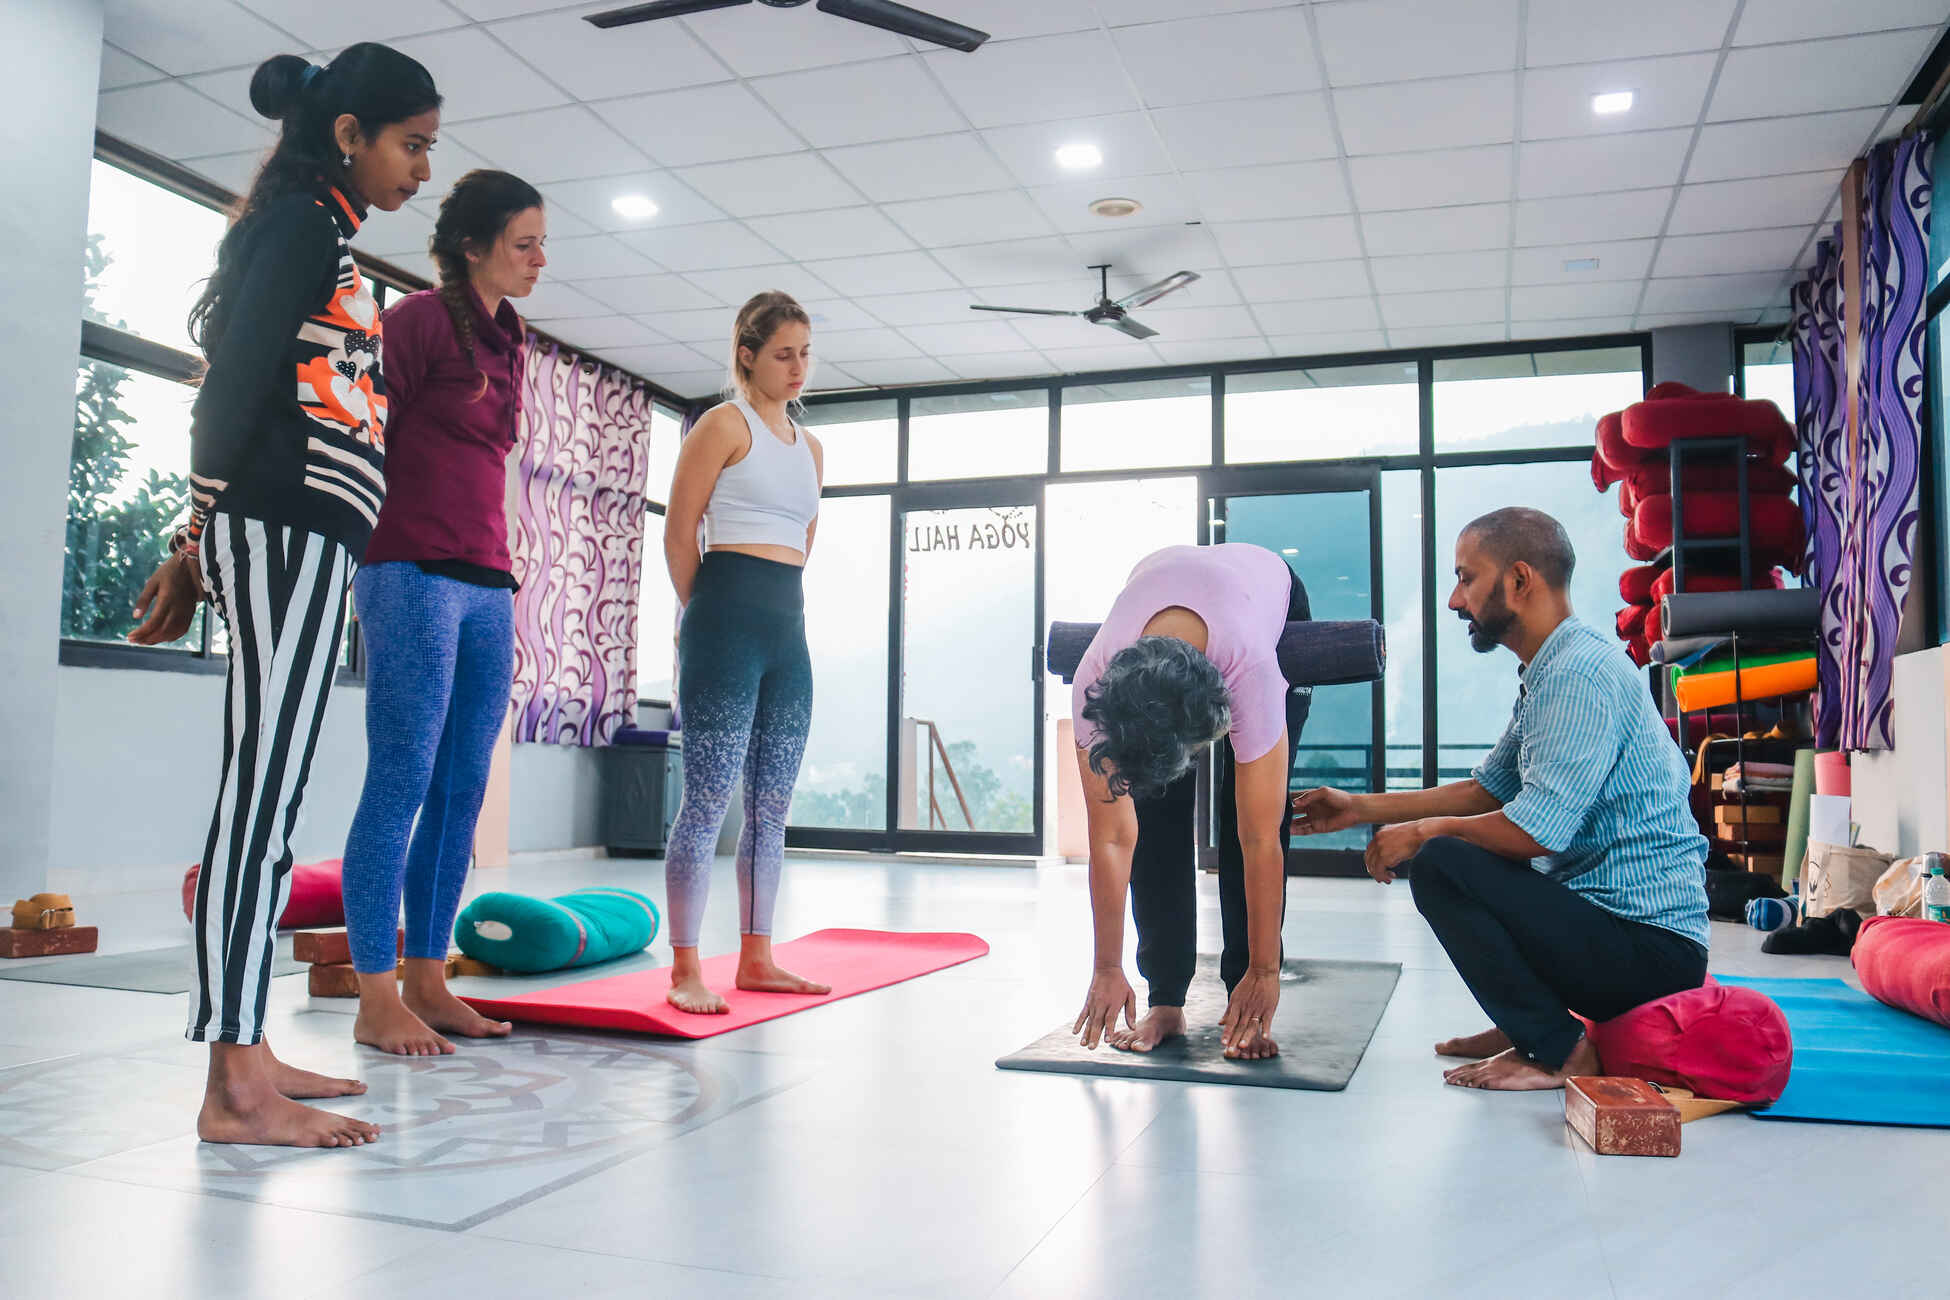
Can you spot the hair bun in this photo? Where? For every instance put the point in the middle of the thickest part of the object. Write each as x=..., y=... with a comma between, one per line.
x=276, y=85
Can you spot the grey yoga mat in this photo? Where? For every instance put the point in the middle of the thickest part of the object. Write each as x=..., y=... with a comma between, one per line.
x=1325, y=653
x=159, y=970
x=1796, y=611
x=1328, y=1012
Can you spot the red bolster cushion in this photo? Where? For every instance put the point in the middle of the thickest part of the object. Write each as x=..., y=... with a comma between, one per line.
x=1719, y=1040
x=1657, y=422
x=1616, y=457
x=1662, y=586
x=1776, y=537
x=317, y=895
x=1635, y=584
x=1905, y=962
x=1762, y=479
x=1631, y=621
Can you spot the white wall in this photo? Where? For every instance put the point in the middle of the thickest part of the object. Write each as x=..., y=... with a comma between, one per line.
x=555, y=799
x=50, y=65
x=1901, y=797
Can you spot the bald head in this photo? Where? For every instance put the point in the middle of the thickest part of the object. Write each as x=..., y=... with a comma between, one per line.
x=1519, y=533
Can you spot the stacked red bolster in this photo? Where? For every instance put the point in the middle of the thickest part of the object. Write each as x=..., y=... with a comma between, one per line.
x=1632, y=451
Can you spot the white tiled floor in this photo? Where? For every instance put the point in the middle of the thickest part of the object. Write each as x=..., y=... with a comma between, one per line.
x=870, y=1148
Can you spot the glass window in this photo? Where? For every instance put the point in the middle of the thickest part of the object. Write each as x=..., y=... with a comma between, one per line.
x=861, y=440
x=843, y=779
x=1331, y=412
x=127, y=491
x=978, y=435
x=1532, y=399
x=1153, y=422
x=1401, y=592
x=656, y=615
x=1767, y=371
x=666, y=433
x=148, y=254
x=1475, y=692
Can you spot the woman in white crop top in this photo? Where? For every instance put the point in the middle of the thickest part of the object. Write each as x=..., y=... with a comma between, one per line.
x=744, y=504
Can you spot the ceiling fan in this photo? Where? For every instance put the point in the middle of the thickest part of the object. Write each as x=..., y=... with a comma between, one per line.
x=1109, y=312
x=884, y=14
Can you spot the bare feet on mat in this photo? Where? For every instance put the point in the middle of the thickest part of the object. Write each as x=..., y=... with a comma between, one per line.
x=438, y=1009
x=241, y=1104
x=769, y=977
x=385, y=1022
x=1154, y=1027
x=1511, y=1071
x=1475, y=1047
x=290, y=1081
x=690, y=994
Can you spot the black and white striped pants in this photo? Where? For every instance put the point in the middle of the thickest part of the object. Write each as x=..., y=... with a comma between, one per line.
x=281, y=592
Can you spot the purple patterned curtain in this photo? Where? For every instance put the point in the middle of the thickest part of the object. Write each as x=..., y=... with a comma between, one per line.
x=1821, y=463
x=578, y=548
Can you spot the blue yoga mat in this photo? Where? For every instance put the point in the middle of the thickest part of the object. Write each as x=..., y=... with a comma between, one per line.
x=1857, y=1061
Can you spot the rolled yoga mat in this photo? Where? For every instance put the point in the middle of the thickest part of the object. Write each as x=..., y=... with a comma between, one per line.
x=1750, y=613
x=530, y=935
x=1831, y=773
x=1711, y=690
x=1797, y=825
x=1325, y=653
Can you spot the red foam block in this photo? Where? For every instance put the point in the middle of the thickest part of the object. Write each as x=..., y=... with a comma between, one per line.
x=852, y=961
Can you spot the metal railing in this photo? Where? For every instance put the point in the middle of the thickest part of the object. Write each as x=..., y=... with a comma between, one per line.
x=937, y=820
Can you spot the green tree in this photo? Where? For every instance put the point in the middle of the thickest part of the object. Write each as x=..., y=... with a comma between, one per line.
x=117, y=531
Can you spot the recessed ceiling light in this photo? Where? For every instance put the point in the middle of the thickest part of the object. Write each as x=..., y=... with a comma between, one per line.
x=1115, y=207
x=1289, y=550
x=1079, y=157
x=1580, y=263
x=636, y=207
x=1611, y=102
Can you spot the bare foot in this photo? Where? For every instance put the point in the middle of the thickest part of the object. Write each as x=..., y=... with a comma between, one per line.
x=690, y=994
x=290, y=1081
x=769, y=977
x=1153, y=1028
x=385, y=1022
x=241, y=1105
x=1511, y=1071
x=1475, y=1046
x=441, y=1010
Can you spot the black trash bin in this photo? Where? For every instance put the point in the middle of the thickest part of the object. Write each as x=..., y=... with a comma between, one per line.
x=643, y=778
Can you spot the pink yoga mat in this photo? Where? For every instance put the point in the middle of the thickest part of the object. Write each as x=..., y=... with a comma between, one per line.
x=852, y=961
x=1831, y=772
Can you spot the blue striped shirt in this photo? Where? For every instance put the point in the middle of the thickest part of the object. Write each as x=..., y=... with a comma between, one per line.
x=1588, y=770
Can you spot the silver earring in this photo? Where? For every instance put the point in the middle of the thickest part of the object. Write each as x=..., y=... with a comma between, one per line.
x=345, y=160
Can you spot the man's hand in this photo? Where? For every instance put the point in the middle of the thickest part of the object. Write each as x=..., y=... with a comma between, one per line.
x=1318, y=811
x=168, y=602
x=1392, y=846
x=1248, y=1022
x=1109, y=992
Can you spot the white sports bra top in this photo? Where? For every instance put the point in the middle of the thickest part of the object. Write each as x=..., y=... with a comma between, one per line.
x=770, y=498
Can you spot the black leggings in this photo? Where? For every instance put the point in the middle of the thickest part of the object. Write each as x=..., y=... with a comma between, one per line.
x=1164, y=869
x=1532, y=950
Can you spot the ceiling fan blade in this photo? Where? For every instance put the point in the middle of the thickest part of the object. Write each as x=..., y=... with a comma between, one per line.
x=1125, y=325
x=1150, y=293
x=903, y=21
x=1025, y=311
x=656, y=9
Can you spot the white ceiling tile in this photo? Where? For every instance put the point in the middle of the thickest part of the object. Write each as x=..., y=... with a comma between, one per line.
x=599, y=64
x=1666, y=92
x=180, y=38
x=1765, y=22
x=1443, y=336
x=1628, y=214
x=947, y=306
x=1130, y=13
x=647, y=295
x=477, y=76
x=701, y=124
x=1662, y=320
x=705, y=246
x=1213, y=288
x=374, y=20
x=233, y=171
x=1561, y=301
x=1322, y=239
x=1396, y=40
x=1714, y=293
x=119, y=70
x=1013, y=20
x=1452, y=230
x=980, y=333
x=1129, y=355
x=549, y=302
x=971, y=218
x=1429, y=272
x=1230, y=56
x=591, y=200
x=1442, y=113
x=1152, y=253
x=1127, y=141
x=421, y=265
x=836, y=232
x=911, y=370
x=1816, y=76
x=551, y=144
x=710, y=325
x=1166, y=200
x=1575, y=327
x=609, y=332
x=1060, y=333
x=1282, y=190
x=658, y=358
x=1046, y=79
x=889, y=273
x=1324, y=343
x=1577, y=31
x=834, y=313
x=919, y=169
x=1198, y=322
x=1456, y=307
x=1628, y=259
x=1278, y=128
x=596, y=257
x=488, y=10
x=169, y=118
x=826, y=106
x=1730, y=252
x=1295, y=281
x=1432, y=180
x=1198, y=352
x=1018, y=261
x=1548, y=169
x=1773, y=146
x=798, y=182
x=404, y=231
x=699, y=385
x=759, y=42
x=734, y=285
x=996, y=365
x=1750, y=204
x=828, y=378
x=1327, y=315
x=850, y=346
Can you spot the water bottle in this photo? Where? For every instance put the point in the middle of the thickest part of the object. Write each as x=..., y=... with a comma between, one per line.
x=1936, y=894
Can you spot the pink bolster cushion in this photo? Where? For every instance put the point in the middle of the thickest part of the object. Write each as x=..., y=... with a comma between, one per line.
x=1905, y=962
x=317, y=895
x=1718, y=1040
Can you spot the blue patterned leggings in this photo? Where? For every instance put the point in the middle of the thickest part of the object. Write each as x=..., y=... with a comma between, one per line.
x=744, y=693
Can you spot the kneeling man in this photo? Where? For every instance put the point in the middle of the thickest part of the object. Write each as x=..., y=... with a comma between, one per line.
x=1568, y=873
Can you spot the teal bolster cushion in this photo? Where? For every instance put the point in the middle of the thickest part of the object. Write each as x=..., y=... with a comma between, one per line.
x=530, y=935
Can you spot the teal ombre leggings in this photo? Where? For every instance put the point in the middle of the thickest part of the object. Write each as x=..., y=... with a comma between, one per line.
x=744, y=696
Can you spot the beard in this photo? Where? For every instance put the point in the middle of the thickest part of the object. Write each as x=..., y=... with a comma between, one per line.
x=1488, y=628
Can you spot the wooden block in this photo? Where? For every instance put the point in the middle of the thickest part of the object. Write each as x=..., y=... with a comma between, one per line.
x=330, y=947
x=1767, y=864
x=1621, y=1117
x=48, y=943
x=461, y=964
x=1754, y=814
x=334, y=980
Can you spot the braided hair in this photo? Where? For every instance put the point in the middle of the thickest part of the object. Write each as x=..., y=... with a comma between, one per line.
x=472, y=216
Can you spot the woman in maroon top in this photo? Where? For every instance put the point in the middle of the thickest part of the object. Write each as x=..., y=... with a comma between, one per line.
x=435, y=599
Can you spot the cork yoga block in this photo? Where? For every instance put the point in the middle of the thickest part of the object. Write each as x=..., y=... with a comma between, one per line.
x=48, y=943
x=1621, y=1117
x=330, y=947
